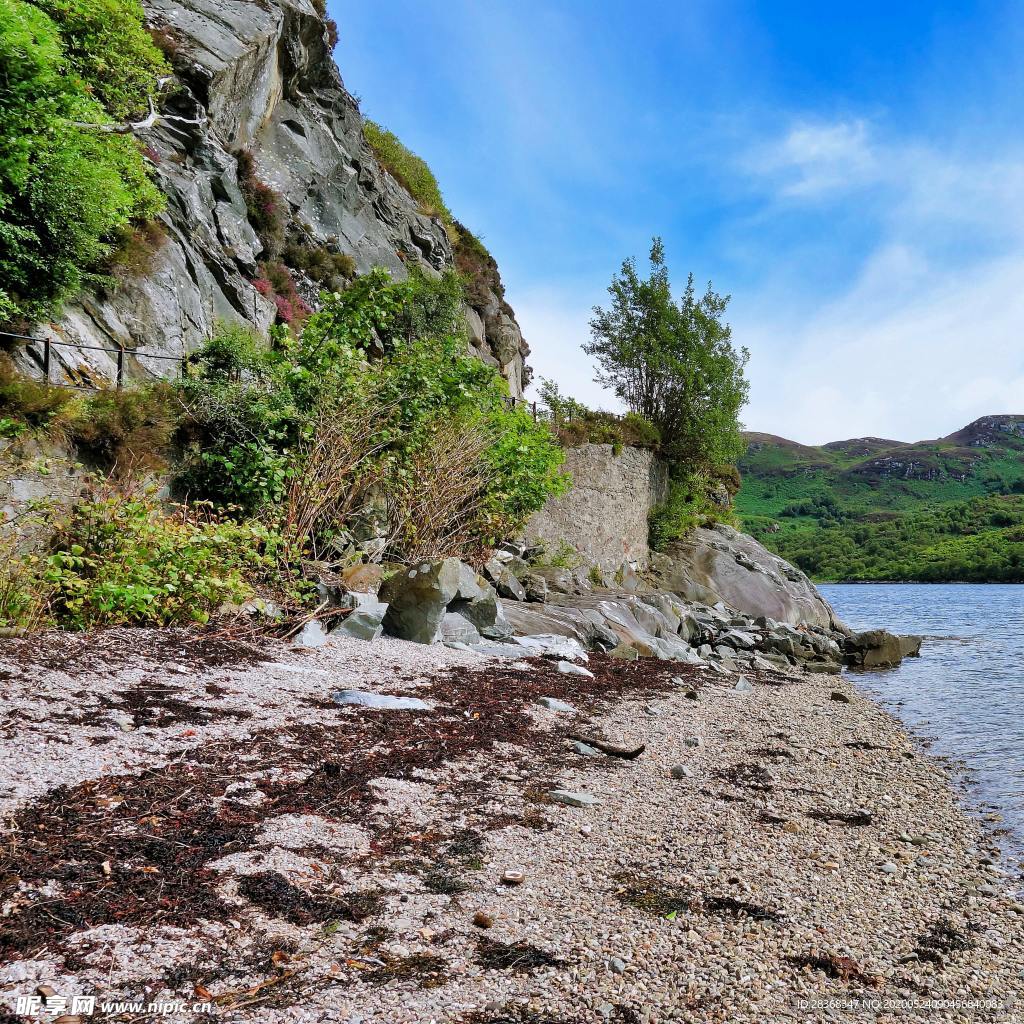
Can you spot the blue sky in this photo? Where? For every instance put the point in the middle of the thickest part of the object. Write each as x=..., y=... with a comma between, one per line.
x=852, y=174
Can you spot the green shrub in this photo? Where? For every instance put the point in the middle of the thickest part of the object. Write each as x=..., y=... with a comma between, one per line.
x=409, y=170
x=382, y=370
x=65, y=189
x=23, y=400
x=691, y=502
x=574, y=424
x=122, y=432
x=108, y=48
x=125, y=561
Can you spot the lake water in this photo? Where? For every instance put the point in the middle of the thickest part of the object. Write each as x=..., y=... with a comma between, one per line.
x=966, y=691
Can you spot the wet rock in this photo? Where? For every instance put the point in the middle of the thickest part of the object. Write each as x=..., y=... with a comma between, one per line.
x=878, y=648
x=839, y=697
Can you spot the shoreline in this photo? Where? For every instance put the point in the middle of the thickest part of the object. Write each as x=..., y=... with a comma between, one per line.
x=329, y=862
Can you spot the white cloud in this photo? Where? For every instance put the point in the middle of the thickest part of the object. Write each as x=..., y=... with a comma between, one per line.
x=816, y=159
x=919, y=368
x=926, y=335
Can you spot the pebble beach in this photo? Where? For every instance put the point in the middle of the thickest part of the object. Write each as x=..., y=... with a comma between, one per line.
x=648, y=842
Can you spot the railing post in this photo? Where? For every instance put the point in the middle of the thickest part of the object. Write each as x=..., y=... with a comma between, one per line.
x=46, y=359
x=120, y=367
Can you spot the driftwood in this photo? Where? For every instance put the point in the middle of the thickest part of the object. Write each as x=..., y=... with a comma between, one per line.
x=609, y=747
x=150, y=121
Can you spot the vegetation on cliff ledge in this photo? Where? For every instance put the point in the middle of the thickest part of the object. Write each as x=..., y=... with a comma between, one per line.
x=68, y=189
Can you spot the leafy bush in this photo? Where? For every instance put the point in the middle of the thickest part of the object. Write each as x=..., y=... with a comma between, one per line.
x=574, y=424
x=66, y=188
x=357, y=402
x=692, y=501
x=108, y=48
x=123, y=560
x=409, y=170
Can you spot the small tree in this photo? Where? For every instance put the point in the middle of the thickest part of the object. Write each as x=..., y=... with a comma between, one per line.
x=672, y=363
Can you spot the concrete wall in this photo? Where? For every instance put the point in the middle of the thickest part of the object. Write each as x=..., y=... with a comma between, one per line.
x=604, y=515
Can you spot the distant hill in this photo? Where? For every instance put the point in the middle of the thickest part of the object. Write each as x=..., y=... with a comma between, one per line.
x=872, y=508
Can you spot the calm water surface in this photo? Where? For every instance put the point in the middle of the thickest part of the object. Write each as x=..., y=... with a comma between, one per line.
x=966, y=691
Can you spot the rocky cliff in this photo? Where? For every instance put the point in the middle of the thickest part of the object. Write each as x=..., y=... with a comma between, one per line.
x=257, y=95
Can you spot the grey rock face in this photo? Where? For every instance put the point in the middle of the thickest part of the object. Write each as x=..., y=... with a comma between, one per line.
x=261, y=77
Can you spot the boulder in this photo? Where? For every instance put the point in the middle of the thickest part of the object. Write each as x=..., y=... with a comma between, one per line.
x=878, y=648
x=455, y=629
x=720, y=564
x=508, y=585
x=365, y=621
x=418, y=599
x=555, y=646
x=536, y=587
x=312, y=635
x=553, y=578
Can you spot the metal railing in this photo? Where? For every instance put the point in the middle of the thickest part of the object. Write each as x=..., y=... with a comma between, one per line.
x=119, y=351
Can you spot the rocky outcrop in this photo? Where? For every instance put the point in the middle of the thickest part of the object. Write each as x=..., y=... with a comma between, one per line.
x=257, y=77
x=604, y=514
x=718, y=563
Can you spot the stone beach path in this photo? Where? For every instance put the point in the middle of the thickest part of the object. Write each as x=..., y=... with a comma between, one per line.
x=193, y=818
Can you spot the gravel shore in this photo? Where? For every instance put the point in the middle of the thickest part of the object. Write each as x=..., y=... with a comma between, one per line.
x=193, y=819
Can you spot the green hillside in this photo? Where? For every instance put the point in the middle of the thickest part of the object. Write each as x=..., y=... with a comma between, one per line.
x=873, y=509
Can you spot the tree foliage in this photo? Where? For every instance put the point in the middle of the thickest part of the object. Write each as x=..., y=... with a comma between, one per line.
x=672, y=362
x=66, y=189
x=383, y=366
